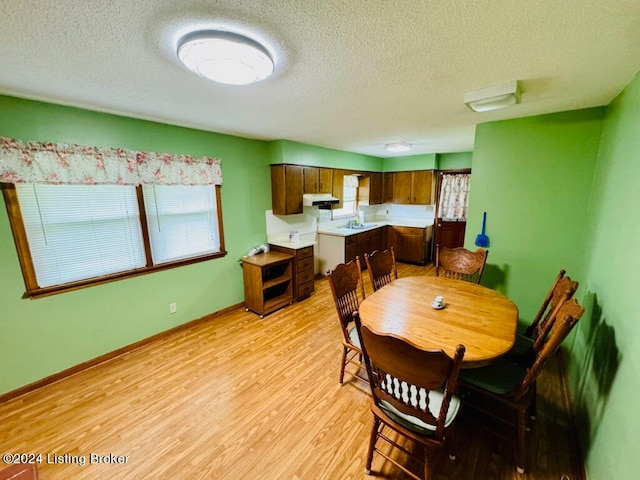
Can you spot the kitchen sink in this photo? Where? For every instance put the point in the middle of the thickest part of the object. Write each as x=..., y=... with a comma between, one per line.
x=362, y=226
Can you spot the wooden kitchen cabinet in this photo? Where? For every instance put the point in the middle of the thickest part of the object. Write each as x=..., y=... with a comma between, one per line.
x=303, y=271
x=287, y=183
x=317, y=180
x=375, y=188
x=337, y=185
x=414, y=187
x=422, y=187
x=361, y=243
x=268, y=281
x=387, y=187
x=402, y=187
x=409, y=243
x=370, y=188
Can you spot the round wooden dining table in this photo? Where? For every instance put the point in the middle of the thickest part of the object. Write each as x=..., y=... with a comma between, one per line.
x=481, y=319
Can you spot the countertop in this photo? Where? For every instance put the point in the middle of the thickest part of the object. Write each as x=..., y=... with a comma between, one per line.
x=306, y=240
x=345, y=232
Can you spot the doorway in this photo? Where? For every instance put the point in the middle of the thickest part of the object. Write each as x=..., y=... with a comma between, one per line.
x=451, y=208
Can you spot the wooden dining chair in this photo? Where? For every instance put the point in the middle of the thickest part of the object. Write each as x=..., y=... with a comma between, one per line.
x=412, y=394
x=528, y=343
x=460, y=263
x=347, y=289
x=514, y=386
x=382, y=267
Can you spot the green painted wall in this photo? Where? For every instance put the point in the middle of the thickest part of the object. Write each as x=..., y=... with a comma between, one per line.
x=285, y=151
x=604, y=363
x=533, y=177
x=44, y=336
x=562, y=191
x=454, y=161
x=425, y=161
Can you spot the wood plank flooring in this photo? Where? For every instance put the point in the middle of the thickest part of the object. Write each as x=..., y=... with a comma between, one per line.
x=240, y=397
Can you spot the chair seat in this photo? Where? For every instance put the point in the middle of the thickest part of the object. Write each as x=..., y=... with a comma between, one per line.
x=417, y=425
x=522, y=351
x=353, y=336
x=501, y=378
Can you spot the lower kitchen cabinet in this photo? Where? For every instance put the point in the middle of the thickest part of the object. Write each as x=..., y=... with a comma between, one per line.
x=336, y=249
x=268, y=281
x=409, y=243
x=361, y=243
x=303, y=272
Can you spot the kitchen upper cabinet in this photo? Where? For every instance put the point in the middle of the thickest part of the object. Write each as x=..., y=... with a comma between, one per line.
x=370, y=188
x=287, y=183
x=325, y=180
x=402, y=187
x=410, y=188
x=317, y=180
x=422, y=187
x=338, y=185
x=387, y=187
x=375, y=188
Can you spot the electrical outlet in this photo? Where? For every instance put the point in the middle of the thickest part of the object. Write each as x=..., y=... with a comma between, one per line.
x=173, y=308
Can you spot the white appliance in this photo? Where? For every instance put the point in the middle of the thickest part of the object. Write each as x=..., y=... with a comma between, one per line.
x=320, y=200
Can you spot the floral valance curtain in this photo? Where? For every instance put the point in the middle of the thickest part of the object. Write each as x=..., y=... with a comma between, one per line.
x=454, y=196
x=59, y=163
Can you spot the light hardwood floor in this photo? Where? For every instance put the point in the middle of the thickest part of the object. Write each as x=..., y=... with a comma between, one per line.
x=240, y=397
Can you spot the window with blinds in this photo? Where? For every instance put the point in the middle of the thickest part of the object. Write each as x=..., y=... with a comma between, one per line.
x=349, y=198
x=183, y=221
x=77, y=232
x=72, y=236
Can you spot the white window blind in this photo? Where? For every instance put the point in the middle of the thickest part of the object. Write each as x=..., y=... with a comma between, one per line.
x=349, y=197
x=77, y=232
x=183, y=221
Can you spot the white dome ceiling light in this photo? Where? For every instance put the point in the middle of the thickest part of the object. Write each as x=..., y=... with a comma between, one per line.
x=225, y=57
x=397, y=147
x=493, y=98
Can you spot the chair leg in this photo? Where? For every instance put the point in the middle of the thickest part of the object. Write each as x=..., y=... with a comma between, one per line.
x=343, y=364
x=427, y=464
x=451, y=442
x=372, y=444
x=533, y=407
x=521, y=451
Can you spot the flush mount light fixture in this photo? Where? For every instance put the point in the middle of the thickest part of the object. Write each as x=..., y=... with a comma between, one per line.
x=492, y=98
x=225, y=57
x=397, y=147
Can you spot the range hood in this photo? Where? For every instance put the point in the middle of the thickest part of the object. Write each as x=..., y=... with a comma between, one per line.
x=320, y=200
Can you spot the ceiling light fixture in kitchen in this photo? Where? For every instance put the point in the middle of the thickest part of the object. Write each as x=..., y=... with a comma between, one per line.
x=225, y=57
x=492, y=98
x=397, y=147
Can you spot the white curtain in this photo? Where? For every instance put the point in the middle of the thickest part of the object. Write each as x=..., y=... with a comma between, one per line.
x=454, y=196
x=69, y=164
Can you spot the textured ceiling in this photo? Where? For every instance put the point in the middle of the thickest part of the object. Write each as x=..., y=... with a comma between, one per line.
x=351, y=75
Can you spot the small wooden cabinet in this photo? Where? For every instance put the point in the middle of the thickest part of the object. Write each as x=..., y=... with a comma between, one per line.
x=268, y=281
x=414, y=187
x=361, y=243
x=409, y=243
x=317, y=180
x=303, y=272
x=287, y=183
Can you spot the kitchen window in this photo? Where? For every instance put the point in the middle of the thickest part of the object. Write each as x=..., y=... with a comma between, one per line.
x=349, y=198
x=74, y=236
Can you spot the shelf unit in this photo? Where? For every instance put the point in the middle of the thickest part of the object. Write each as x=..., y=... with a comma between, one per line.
x=268, y=282
x=303, y=271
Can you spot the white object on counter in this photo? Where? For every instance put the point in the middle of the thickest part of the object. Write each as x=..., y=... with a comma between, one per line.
x=294, y=236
